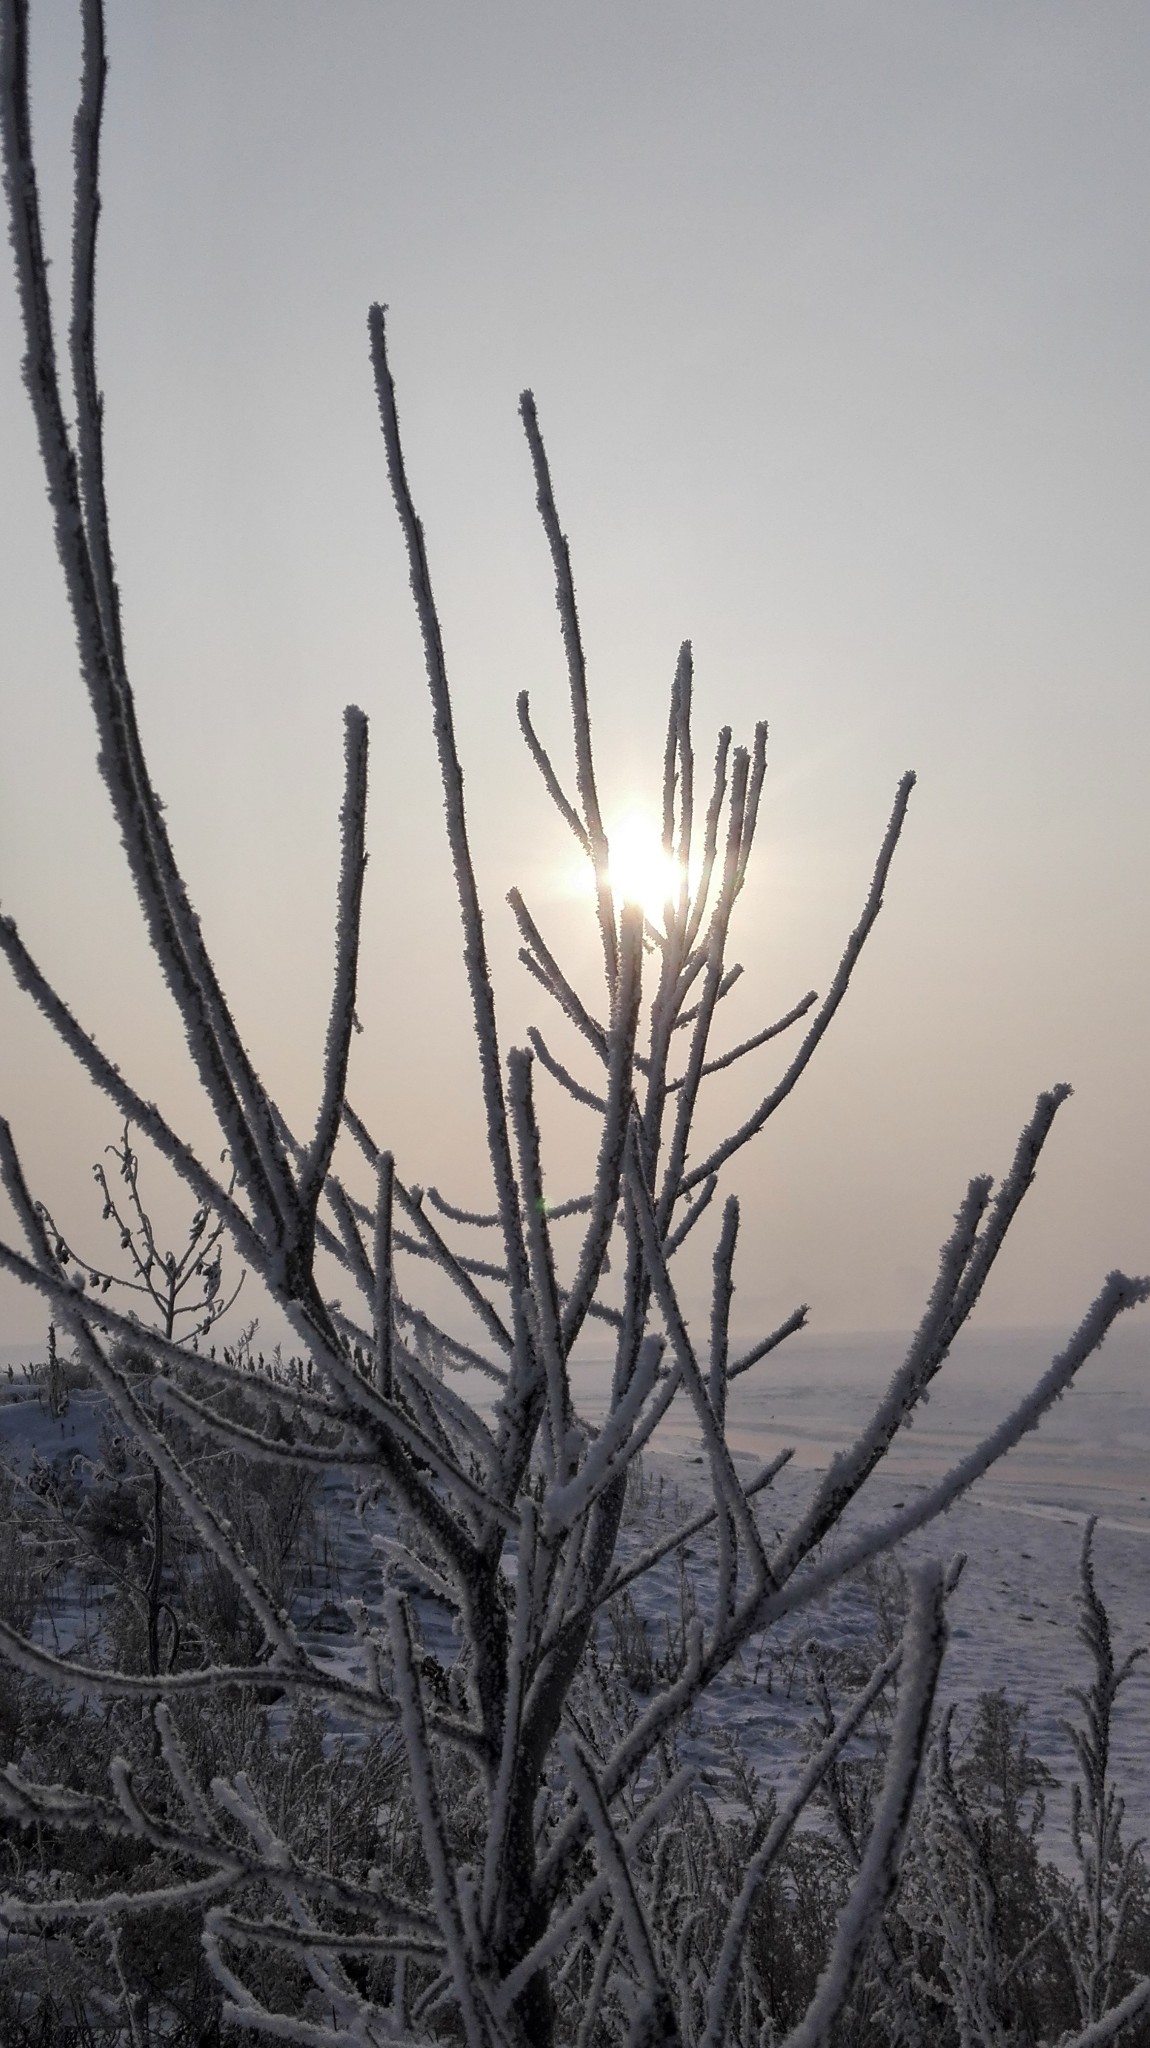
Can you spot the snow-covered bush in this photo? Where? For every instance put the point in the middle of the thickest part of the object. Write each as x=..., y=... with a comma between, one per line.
x=988, y=1940
x=531, y=1867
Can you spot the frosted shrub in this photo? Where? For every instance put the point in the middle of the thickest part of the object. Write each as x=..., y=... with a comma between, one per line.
x=537, y=1869
x=18, y=1590
x=994, y=1944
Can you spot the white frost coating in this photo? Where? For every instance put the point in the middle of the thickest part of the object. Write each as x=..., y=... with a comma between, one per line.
x=560, y=1073
x=565, y=1503
x=82, y=543
x=394, y=1552
x=177, y=1762
x=626, y=998
x=526, y=1598
x=132, y=1107
x=723, y=1984
x=541, y=963
x=94, y=1678
x=569, y=1922
x=848, y=1468
x=1119, y=1294
x=650, y=1558
x=614, y=1862
x=604, y=1965
x=240, y=2007
x=15, y=1912
x=577, y=678
x=728, y=1489
x=831, y=1001
x=458, y=1269
x=922, y=1658
x=474, y=949
x=200, y=1514
x=763, y=1037
x=544, y=1299
x=322, y=1962
x=714, y=948
x=1107, y=2029
x=435, y=1847
x=794, y=1322
x=454, y=1354
x=353, y=823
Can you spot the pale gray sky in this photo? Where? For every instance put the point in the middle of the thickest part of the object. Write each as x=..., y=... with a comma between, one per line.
x=837, y=320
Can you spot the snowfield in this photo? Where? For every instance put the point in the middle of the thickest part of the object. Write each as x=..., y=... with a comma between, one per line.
x=1013, y=1616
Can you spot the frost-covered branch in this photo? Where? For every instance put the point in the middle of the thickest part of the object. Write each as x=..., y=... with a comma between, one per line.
x=878, y=1874
x=831, y=1001
x=474, y=947
x=353, y=825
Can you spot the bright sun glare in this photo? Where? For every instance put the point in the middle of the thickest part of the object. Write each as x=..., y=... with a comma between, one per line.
x=639, y=869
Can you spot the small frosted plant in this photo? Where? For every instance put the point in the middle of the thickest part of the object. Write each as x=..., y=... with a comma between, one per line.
x=1097, y=1924
x=174, y=1284
x=535, y=1866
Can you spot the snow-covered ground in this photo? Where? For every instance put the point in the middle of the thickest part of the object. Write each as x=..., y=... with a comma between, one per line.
x=1013, y=1617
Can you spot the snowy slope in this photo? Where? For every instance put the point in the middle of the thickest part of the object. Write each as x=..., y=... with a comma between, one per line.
x=1013, y=1617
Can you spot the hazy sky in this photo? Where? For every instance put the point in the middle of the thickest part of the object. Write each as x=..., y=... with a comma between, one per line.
x=837, y=320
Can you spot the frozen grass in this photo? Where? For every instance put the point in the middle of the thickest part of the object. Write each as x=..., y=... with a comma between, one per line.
x=344, y=1799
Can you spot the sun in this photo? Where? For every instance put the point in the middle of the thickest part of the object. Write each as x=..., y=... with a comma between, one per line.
x=639, y=870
